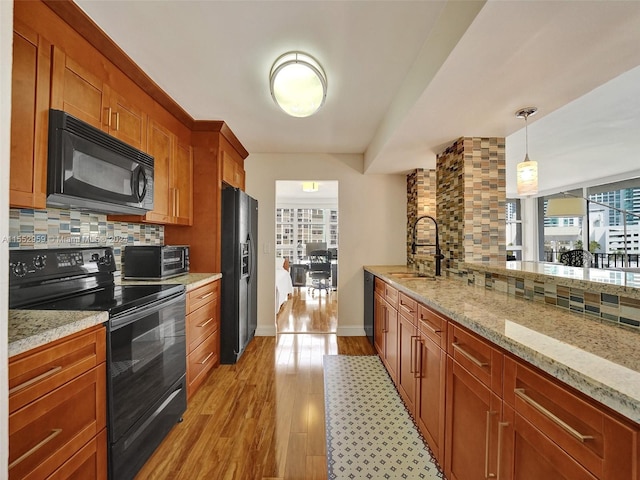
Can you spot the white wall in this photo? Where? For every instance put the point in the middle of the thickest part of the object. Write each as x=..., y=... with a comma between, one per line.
x=371, y=229
x=6, y=53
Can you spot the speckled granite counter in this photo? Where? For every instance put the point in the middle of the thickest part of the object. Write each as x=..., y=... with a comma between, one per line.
x=598, y=359
x=190, y=280
x=31, y=328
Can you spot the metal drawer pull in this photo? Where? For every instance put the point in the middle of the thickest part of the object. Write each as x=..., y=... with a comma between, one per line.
x=117, y=120
x=206, y=295
x=108, y=122
x=33, y=380
x=204, y=324
x=413, y=367
x=487, y=440
x=562, y=424
x=206, y=359
x=406, y=307
x=54, y=433
x=457, y=347
x=430, y=328
x=501, y=426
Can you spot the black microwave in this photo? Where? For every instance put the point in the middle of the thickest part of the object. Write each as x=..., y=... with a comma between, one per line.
x=154, y=262
x=91, y=170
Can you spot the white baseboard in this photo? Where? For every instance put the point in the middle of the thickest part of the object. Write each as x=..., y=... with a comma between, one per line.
x=351, y=332
x=264, y=331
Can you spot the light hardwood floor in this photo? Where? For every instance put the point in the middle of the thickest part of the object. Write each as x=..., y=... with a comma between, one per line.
x=305, y=312
x=262, y=418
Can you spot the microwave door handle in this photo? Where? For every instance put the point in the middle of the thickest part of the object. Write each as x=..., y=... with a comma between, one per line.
x=136, y=177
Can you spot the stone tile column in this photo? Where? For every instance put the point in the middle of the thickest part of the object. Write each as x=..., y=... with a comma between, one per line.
x=421, y=200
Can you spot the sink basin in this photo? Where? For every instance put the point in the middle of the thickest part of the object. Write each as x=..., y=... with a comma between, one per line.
x=402, y=275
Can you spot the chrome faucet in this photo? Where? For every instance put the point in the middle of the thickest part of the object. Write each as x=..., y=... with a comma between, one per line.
x=438, y=256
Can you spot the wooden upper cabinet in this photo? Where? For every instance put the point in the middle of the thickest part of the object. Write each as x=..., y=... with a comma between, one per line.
x=232, y=170
x=182, y=184
x=160, y=147
x=29, y=118
x=82, y=94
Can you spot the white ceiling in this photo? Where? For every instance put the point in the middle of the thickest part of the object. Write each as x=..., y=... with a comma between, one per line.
x=406, y=78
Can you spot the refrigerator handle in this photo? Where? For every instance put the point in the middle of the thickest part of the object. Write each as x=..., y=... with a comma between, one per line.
x=251, y=255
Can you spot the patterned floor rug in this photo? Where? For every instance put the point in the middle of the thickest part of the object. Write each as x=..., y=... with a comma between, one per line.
x=370, y=434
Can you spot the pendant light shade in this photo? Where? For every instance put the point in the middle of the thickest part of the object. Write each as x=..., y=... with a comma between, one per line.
x=298, y=84
x=527, y=170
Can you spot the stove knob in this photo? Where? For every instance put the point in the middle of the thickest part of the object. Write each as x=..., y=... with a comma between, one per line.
x=106, y=260
x=19, y=269
x=95, y=257
x=40, y=262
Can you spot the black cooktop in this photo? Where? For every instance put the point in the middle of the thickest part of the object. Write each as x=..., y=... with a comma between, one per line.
x=75, y=279
x=114, y=299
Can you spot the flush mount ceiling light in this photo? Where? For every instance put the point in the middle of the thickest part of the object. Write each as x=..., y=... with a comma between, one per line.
x=527, y=170
x=310, y=186
x=298, y=84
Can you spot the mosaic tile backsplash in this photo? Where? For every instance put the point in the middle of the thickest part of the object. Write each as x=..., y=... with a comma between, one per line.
x=617, y=308
x=421, y=200
x=54, y=228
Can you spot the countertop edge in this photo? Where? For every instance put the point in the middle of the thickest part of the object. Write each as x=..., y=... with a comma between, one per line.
x=618, y=401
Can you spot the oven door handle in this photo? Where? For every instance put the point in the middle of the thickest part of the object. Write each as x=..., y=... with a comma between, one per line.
x=142, y=311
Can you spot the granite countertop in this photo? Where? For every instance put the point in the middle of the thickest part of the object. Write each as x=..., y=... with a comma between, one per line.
x=598, y=359
x=28, y=329
x=614, y=281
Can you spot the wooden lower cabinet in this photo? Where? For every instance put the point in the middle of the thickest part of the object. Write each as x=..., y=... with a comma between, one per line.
x=473, y=414
x=203, y=333
x=487, y=414
x=57, y=413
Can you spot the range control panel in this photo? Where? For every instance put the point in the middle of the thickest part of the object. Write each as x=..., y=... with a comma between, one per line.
x=38, y=265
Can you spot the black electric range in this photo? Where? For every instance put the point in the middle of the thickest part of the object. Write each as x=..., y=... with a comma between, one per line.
x=146, y=342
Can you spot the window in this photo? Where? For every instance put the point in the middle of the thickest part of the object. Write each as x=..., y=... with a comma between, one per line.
x=513, y=217
x=295, y=227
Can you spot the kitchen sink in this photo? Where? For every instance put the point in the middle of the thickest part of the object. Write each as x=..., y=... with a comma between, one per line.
x=402, y=275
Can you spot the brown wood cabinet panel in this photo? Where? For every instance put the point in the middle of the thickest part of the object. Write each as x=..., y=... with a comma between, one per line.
x=31, y=83
x=407, y=360
x=182, y=185
x=408, y=307
x=125, y=120
x=529, y=455
x=201, y=323
x=430, y=395
x=90, y=462
x=433, y=325
x=76, y=90
x=596, y=440
x=232, y=168
x=41, y=370
x=202, y=295
x=379, y=323
x=477, y=355
x=391, y=341
x=201, y=361
x=473, y=414
x=160, y=145
x=47, y=432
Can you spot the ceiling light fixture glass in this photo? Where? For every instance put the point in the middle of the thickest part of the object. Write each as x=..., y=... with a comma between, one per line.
x=527, y=170
x=298, y=84
x=310, y=186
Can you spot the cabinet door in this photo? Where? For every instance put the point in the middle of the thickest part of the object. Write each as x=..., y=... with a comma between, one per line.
x=473, y=413
x=391, y=342
x=182, y=185
x=430, y=407
x=159, y=145
x=77, y=91
x=232, y=171
x=379, y=324
x=126, y=121
x=29, y=118
x=530, y=455
x=407, y=361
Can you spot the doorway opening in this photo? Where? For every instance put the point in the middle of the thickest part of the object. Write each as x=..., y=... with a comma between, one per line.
x=306, y=255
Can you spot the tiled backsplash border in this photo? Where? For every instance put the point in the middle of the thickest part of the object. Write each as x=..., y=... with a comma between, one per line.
x=54, y=228
x=619, y=309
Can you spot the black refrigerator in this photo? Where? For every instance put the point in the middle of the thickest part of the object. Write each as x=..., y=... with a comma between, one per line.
x=239, y=262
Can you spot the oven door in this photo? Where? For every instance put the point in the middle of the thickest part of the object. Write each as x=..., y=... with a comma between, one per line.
x=146, y=357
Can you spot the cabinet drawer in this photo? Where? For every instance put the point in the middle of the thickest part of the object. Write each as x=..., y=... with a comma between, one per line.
x=433, y=325
x=201, y=323
x=89, y=462
x=201, y=295
x=598, y=441
x=391, y=295
x=45, y=433
x=204, y=358
x=408, y=308
x=41, y=370
x=379, y=286
x=477, y=356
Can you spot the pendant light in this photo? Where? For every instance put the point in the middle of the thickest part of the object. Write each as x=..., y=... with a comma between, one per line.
x=527, y=170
